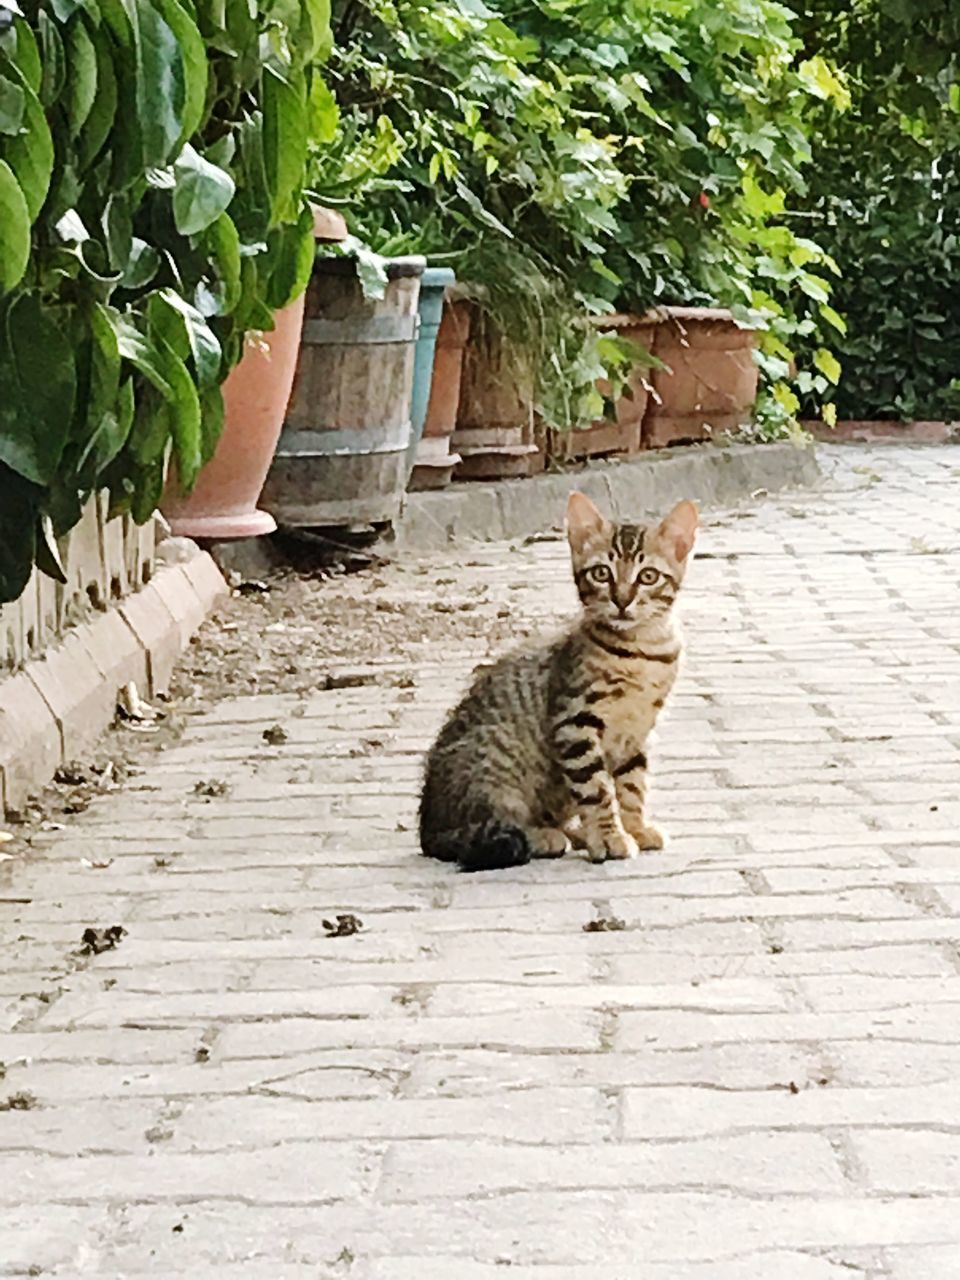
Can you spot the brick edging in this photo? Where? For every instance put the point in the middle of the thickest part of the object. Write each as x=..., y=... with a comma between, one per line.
x=61, y=702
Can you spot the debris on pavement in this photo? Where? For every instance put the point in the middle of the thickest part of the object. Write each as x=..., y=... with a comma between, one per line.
x=346, y=926
x=604, y=924
x=212, y=789
x=130, y=706
x=276, y=735
x=19, y=1101
x=94, y=941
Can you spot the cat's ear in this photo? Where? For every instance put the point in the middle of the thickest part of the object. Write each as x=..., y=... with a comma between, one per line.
x=678, y=532
x=584, y=521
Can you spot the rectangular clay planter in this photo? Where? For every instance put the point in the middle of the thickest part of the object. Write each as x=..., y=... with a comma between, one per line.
x=624, y=433
x=709, y=384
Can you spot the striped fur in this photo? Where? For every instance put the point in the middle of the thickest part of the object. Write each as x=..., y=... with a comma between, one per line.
x=548, y=746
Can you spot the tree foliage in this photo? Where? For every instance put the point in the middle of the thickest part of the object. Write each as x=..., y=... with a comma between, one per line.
x=885, y=200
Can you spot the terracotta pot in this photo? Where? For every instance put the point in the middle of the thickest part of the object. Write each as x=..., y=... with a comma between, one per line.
x=434, y=459
x=223, y=503
x=709, y=384
x=623, y=434
x=495, y=434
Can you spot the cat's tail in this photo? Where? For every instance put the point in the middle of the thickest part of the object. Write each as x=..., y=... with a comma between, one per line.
x=485, y=846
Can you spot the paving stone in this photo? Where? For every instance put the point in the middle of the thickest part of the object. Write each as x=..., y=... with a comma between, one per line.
x=754, y=1079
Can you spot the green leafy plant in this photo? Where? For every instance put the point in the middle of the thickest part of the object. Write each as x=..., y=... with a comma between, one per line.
x=152, y=161
x=581, y=156
x=884, y=199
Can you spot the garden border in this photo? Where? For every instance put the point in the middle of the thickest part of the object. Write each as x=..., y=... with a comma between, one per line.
x=58, y=704
x=626, y=487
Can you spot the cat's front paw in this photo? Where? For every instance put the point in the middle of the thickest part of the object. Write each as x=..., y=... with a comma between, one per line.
x=648, y=838
x=616, y=845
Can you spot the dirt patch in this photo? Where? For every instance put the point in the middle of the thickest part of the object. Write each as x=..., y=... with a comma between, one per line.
x=293, y=633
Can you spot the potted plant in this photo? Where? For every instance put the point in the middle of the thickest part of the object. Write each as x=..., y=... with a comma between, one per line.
x=342, y=457
x=223, y=502
x=435, y=460
x=151, y=171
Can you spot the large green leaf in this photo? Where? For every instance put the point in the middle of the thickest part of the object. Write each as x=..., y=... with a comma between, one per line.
x=316, y=39
x=292, y=251
x=185, y=417
x=323, y=111
x=212, y=410
x=38, y=373
x=111, y=432
x=104, y=384
x=150, y=433
x=14, y=230
x=193, y=51
x=81, y=90
x=141, y=266
x=223, y=246
x=26, y=55
x=30, y=153
x=160, y=80
x=99, y=121
x=161, y=86
x=54, y=60
x=11, y=106
x=148, y=490
x=133, y=346
x=202, y=192
x=19, y=502
x=284, y=141
x=201, y=340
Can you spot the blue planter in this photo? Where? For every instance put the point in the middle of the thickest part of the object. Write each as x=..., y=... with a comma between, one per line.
x=434, y=282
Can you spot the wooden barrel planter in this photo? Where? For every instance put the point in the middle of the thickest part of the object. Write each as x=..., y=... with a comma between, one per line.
x=495, y=433
x=709, y=382
x=621, y=434
x=342, y=456
x=434, y=462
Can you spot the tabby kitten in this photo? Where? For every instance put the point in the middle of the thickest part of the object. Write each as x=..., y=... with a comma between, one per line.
x=548, y=745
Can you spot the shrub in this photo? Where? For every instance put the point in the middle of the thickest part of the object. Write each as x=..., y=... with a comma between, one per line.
x=885, y=201
x=152, y=160
x=598, y=153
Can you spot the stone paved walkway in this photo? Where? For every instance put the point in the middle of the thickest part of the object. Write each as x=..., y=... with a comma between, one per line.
x=757, y=1079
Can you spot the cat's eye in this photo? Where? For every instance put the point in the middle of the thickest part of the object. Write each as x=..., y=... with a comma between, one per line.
x=648, y=577
x=599, y=573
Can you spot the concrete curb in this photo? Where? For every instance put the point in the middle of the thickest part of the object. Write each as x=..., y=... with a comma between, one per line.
x=634, y=487
x=59, y=704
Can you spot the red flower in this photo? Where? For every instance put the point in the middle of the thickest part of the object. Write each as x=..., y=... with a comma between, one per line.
x=704, y=200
